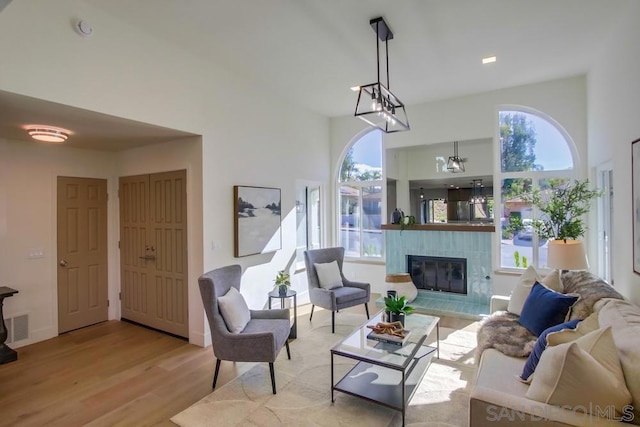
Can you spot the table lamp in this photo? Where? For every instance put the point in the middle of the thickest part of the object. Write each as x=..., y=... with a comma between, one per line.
x=567, y=255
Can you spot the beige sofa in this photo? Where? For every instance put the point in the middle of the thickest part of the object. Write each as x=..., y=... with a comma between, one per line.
x=498, y=398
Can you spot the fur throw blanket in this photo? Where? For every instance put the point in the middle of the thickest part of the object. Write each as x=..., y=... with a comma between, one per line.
x=590, y=288
x=503, y=332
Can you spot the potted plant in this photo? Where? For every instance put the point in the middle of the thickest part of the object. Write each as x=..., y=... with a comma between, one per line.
x=561, y=210
x=407, y=221
x=282, y=282
x=396, y=307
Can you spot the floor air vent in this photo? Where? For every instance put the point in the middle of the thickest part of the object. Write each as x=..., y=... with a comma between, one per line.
x=17, y=328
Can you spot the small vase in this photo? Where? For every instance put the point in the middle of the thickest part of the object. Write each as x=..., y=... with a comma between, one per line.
x=397, y=317
x=282, y=290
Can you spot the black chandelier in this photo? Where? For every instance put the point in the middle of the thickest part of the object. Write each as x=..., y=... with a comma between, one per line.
x=455, y=164
x=376, y=104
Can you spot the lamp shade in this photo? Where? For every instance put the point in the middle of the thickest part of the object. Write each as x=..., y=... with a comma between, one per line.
x=567, y=255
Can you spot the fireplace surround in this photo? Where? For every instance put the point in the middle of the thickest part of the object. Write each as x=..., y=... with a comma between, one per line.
x=442, y=274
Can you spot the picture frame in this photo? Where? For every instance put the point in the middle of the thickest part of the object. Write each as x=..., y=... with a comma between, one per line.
x=635, y=200
x=257, y=220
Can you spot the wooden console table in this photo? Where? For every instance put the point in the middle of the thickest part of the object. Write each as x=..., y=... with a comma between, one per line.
x=6, y=354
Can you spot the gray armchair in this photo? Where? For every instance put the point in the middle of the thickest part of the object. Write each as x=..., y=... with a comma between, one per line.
x=350, y=294
x=260, y=341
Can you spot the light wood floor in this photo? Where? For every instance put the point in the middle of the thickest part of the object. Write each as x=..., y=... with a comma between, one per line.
x=115, y=374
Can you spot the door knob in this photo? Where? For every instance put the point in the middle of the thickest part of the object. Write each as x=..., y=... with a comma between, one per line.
x=63, y=263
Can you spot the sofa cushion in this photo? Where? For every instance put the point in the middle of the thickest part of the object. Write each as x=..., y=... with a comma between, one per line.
x=541, y=344
x=585, y=373
x=329, y=275
x=234, y=310
x=545, y=308
x=499, y=399
x=522, y=289
x=624, y=319
x=346, y=294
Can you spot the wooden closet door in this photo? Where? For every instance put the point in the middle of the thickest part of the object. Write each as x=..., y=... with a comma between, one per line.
x=153, y=251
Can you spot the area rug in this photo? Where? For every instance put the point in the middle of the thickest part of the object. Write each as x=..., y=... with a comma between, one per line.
x=304, y=390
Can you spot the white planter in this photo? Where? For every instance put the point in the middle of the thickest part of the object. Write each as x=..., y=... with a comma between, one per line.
x=403, y=285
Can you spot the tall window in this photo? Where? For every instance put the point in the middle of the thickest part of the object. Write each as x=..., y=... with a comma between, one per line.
x=308, y=225
x=534, y=154
x=360, y=184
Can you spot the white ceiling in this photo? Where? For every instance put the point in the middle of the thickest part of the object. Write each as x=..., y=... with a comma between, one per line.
x=91, y=130
x=312, y=51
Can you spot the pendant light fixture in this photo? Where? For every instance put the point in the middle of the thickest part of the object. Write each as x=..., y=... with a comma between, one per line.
x=376, y=104
x=477, y=193
x=455, y=164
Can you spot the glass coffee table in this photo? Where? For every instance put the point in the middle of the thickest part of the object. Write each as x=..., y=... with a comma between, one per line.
x=386, y=373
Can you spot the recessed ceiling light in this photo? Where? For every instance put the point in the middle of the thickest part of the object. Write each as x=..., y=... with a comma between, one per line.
x=50, y=134
x=355, y=88
x=489, y=60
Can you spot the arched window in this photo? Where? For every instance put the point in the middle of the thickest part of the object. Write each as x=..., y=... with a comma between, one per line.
x=360, y=184
x=534, y=152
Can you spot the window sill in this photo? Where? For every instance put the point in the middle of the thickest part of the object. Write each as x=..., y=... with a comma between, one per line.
x=365, y=261
x=505, y=271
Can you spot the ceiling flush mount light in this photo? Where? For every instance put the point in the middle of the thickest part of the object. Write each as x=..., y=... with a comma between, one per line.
x=376, y=104
x=50, y=134
x=489, y=60
x=455, y=164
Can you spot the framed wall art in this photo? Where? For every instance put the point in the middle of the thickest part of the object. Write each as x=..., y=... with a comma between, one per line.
x=257, y=219
x=635, y=190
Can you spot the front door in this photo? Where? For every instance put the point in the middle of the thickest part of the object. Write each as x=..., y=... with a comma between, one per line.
x=82, y=252
x=153, y=251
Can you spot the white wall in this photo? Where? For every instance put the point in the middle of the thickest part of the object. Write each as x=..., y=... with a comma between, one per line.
x=473, y=117
x=613, y=113
x=249, y=136
x=28, y=188
x=430, y=161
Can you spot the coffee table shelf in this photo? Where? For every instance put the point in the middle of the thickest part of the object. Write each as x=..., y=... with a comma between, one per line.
x=367, y=381
x=387, y=374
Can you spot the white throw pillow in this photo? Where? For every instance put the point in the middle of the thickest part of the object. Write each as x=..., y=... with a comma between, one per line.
x=553, y=282
x=234, y=310
x=522, y=289
x=588, y=325
x=329, y=275
x=584, y=374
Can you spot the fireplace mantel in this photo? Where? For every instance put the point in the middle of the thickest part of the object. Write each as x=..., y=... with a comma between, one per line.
x=445, y=226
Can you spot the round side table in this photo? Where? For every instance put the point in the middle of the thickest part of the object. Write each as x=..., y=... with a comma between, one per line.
x=402, y=284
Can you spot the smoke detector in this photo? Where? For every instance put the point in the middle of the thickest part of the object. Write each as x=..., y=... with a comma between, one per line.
x=84, y=28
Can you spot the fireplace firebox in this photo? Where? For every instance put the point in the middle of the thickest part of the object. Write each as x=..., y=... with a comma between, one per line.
x=438, y=273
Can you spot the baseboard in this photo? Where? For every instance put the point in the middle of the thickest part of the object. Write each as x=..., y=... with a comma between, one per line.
x=35, y=336
x=200, y=339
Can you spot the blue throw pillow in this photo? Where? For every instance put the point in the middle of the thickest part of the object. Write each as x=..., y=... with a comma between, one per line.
x=544, y=308
x=541, y=344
